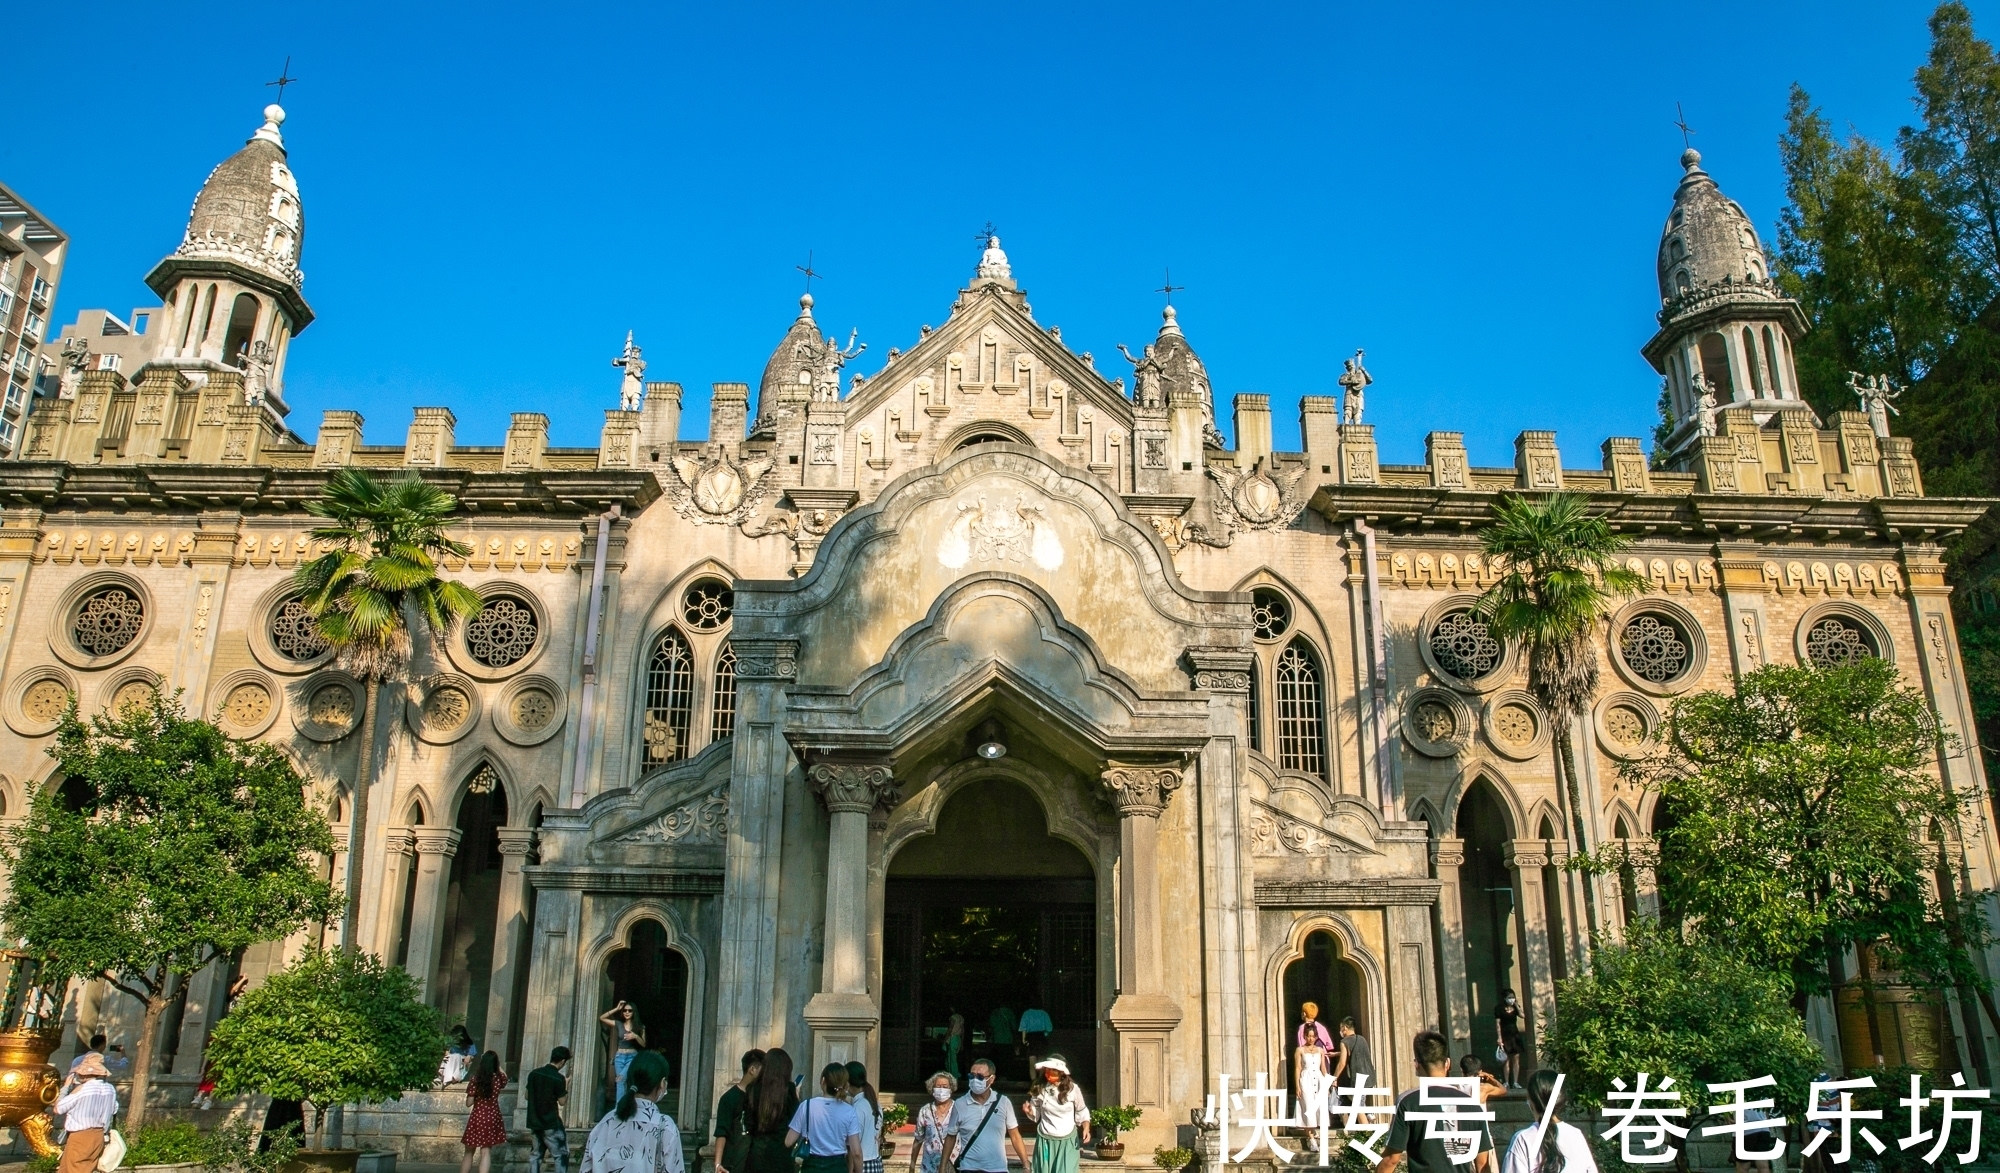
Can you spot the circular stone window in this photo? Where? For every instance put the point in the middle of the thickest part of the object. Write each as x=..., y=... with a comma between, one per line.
x=135, y=694
x=707, y=605
x=529, y=711
x=1463, y=647
x=1437, y=722
x=44, y=701
x=1626, y=724
x=295, y=633
x=1270, y=613
x=1835, y=641
x=1655, y=648
x=107, y=621
x=1514, y=725
x=247, y=708
x=503, y=633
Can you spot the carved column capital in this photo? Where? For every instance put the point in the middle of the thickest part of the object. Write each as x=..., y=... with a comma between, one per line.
x=437, y=841
x=398, y=841
x=517, y=840
x=1448, y=853
x=1526, y=853
x=1141, y=790
x=849, y=788
x=766, y=659
x=1221, y=669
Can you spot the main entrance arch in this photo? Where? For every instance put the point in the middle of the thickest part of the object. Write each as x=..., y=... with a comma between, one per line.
x=987, y=918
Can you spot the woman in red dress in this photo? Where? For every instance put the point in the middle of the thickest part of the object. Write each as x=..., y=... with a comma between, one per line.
x=484, y=1132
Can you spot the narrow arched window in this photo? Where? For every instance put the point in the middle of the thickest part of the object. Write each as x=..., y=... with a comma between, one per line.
x=1750, y=360
x=1256, y=710
x=669, y=699
x=1301, y=711
x=1771, y=365
x=722, y=725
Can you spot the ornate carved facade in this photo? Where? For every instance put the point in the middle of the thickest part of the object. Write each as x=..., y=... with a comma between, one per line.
x=987, y=616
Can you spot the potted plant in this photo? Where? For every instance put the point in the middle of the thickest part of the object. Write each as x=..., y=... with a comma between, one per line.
x=894, y=1117
x=1172, y=1160
x=331, y=1028
x=1109, y=1121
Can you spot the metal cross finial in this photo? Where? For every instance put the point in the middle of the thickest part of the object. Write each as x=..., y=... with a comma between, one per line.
x=1170, y=288
x=985, y=235
x=283, y=79
x=1680, y=120
x=808, y=270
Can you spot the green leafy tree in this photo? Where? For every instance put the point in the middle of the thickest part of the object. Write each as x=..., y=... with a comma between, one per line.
x=1689, y=1009
x=1958, y=93
x=1803, y=819
x=158, y=847
x=363, y=594
x=334, y=1027
x=1561, y=580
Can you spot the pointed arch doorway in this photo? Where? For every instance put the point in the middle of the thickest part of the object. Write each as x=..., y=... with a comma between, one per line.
x=988, y=917
x=1324, y=975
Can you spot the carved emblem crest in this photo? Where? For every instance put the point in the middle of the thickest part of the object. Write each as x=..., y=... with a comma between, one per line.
x=717, y=488
x=991, y=532
x=1260, y=498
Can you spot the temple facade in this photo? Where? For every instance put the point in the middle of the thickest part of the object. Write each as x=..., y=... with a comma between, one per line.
x=980, y=683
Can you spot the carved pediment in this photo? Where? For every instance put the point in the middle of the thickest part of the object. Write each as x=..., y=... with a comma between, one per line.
x=1277, y=832
x=702, y=821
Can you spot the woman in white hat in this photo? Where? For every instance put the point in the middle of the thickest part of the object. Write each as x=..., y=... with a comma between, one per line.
x=1062, y=1122
x=86, y=1102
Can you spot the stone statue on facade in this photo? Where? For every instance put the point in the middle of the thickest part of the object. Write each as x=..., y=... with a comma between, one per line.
x=75, y=356
x=1355, y=379
x=1146, y=375
x=1875, y=392
x=1704, y=409
x=823, y=359
x=993, y=262
x=258, y=359
x=632, y=391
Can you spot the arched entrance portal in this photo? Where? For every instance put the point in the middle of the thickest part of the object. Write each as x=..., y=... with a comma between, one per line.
x=988, y=918
x=472, y=903
x=1324, y=976
x=1486, y=894
x=653, y=977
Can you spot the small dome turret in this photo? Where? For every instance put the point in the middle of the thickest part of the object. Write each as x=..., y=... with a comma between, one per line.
x=788, y=376
x=248, y=210
x=1182, y=373
x=1708, y=240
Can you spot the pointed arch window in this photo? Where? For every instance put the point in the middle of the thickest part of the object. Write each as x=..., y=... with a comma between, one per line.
x=1256, y=709
x=722, y=723
x=1301, y=711
x=669, y=699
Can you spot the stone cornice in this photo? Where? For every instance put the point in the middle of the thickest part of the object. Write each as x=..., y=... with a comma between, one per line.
x=1345, y=893
x=619, y=878
x=173, y=486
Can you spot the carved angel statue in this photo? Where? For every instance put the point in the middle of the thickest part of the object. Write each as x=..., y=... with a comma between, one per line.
x=1356, y=379
x=1875, y=392
x=632, y=391
x=825, y=358
x=1146, y=375
x=1704, y=409
x=75, y=356
x=258, y=360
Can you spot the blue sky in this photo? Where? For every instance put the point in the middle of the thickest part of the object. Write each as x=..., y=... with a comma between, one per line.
x=495, y=194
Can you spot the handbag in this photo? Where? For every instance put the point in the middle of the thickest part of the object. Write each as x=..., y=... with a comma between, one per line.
x=114, y=1150
x=1500, y=1053
x=804, y=1148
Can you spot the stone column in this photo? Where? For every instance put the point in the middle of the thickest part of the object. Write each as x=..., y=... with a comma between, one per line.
x=398, y=845
x=1142, y=1014
x=510, y=938
x=435, y=847
x=843, y=1013
x=1525, y=859
x=337, y=865
x=1447, y=856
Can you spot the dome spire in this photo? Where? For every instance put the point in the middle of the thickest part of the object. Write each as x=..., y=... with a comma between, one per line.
x=274, y=117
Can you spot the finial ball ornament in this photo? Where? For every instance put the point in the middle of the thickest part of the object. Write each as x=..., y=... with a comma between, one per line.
x=274, y=113
x=1690, y=158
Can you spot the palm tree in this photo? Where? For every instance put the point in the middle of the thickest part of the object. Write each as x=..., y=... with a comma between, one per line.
x=362, y=594
x=1562, y=578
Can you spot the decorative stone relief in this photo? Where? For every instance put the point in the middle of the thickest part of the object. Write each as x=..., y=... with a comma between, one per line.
x=702, y=822
x=847, y=788
x=443, y=708
x=1141, y=791
x=1826, y=578
x=244, y=704
x=1016, y=533
x=1515, y=725
x=530, y=710
x=1221, y=669
x=1436, y=722
x=766, y=659
x=1626, y=723
x=161, y=547
x=1277, y=832
x=716, y=488
x=1260, y=499
x=327, y=707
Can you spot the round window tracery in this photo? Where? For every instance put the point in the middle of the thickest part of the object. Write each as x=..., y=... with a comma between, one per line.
x=1270, y=614
x=108, y=620
x=503, y=632
x=1834, y=642
x=247, y=705
x=1625, y=724
x=707, y=605
x=1515, y=724
x=1654, y=648
x=1435, y=722
x=45, y=701
x=295, y=633
x=332, y=705
x=1462, y=646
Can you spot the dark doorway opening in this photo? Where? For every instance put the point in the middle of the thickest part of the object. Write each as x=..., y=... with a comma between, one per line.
x=653, y=977
x=989, y=919
x=472, y=904
x=1326, y=978
x=1486, y=894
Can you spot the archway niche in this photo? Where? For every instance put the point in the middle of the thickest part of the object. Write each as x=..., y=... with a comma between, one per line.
x=1324, y=975
x=1486, y=896
x=472, y=905
x=988, y=917
x=653, y=976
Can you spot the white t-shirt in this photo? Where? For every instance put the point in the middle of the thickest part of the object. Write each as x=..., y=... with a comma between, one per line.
x=1055, y=1117
x=1525, y=1153
x=871, y=1129
x=988, y=1154
x=826, y=1123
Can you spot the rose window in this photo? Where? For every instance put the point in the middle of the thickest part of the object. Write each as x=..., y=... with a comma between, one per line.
x=1625, y=725
x=332, y=705
x=108, y=621
x=247, y=705
x=1834, y=642
x=503, y=632
x=1654, y=648
x=533, y=709
x=1463, y=647
x=707, y=605
x=295, y=633
x=1434, y=721
x=45, y=701
x=1514, y=724
x=1270, y=614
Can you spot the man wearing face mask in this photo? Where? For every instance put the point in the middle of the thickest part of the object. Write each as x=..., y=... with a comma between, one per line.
x=978, y=1120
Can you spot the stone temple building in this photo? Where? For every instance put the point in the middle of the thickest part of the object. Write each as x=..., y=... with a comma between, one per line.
x=982, y=682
